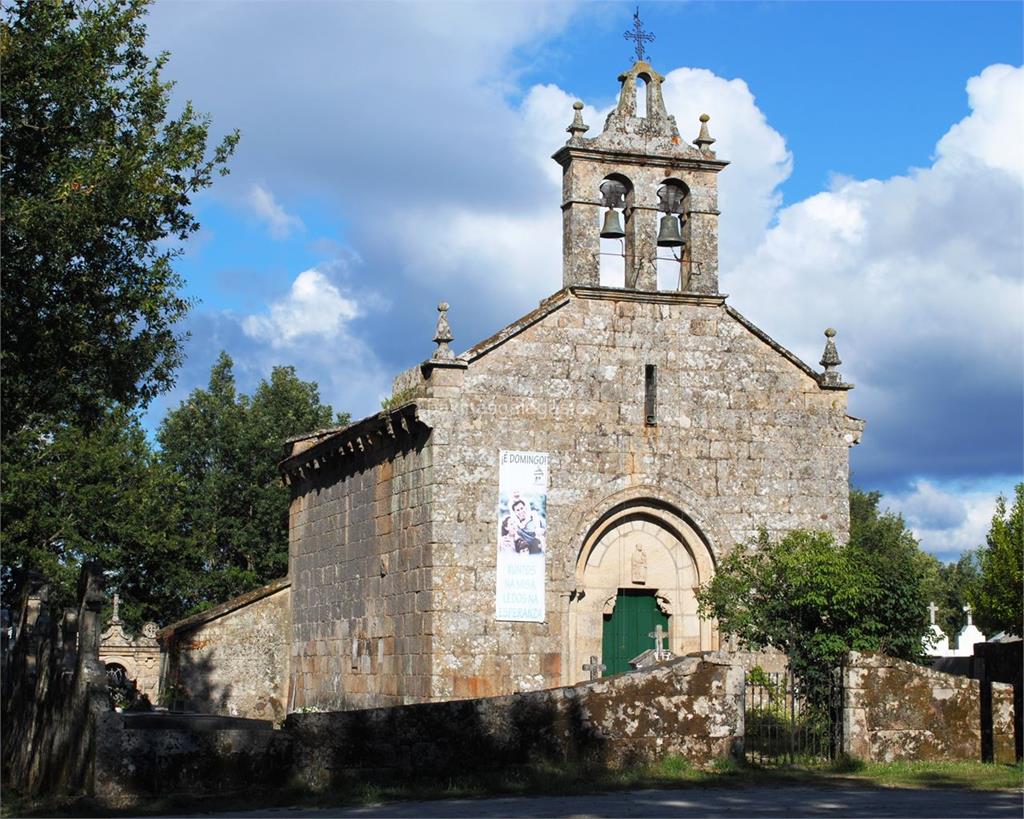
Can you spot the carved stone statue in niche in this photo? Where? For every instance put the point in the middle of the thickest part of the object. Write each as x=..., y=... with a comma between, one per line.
x=639, y=562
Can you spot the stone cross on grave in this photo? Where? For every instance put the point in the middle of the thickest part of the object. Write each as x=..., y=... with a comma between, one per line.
x=595, y=668
x=932, y=611
x=639, y=35
x=658, y=635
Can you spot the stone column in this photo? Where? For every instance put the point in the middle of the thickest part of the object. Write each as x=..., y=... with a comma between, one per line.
x=581, y=245
x=641, y=249
x=701, y=233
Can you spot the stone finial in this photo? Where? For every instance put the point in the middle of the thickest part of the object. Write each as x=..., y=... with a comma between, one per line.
x=442, y=335
x=704, y=140
x=970, y=614
x=830, y=360
x=578, y=127
x=116, y=616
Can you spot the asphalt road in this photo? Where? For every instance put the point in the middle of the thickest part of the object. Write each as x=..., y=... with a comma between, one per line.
x=788, y=801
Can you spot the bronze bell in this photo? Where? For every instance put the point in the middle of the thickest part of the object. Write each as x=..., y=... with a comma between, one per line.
x=612, y=228
x=668, y=232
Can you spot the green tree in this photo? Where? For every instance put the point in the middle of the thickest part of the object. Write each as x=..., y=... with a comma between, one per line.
x=889, y=553
x=815, y=599
x=224, y=447
x=997, y=597
x=97, y=185
x=98, y=495
x=956, y=588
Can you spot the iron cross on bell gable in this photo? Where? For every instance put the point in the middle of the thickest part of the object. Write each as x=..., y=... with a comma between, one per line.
x=639, y=35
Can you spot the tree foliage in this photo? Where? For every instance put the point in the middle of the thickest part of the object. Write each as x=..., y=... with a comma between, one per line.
x=97, y=183
x=955, y=588
x=997, y=596
x=815, y=599
x=224, y=447
x=99, y=495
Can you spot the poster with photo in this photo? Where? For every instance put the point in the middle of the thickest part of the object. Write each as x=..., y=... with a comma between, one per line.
x=522, y=536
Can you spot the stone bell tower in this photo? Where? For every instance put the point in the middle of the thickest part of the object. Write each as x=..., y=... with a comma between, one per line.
x=638, y=181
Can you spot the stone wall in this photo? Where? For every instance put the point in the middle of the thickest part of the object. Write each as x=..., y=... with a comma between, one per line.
x=896, y=710
x=690, y=707
x=143, y=757
x=232, y=659
x=361, y=569
x=55, y=692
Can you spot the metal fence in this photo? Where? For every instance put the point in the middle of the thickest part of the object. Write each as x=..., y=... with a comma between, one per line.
x=787, y=723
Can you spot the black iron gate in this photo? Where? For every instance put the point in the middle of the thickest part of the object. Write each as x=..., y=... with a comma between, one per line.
x=787, y=723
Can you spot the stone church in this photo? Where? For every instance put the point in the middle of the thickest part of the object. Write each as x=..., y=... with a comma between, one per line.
x=559, y=490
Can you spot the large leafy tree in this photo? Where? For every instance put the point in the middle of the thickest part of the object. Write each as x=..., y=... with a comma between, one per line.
x=998, y=595
x=97, y=182
x=224, y=448
x=97, y=186
x=815, y=599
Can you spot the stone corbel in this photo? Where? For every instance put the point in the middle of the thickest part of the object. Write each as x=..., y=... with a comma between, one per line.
x=664, y=605
x=853, y=428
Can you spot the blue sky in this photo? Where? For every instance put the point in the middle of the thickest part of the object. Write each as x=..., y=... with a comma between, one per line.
x=396, y=155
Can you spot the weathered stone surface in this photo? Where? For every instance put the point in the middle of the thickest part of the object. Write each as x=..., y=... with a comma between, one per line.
x=361, y=569
x=138, y=655
x=896, y=710
x=141, y=757
x=689, y=707
x=233, y=659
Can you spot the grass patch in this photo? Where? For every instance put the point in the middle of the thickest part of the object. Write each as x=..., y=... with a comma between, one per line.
x=972, y=775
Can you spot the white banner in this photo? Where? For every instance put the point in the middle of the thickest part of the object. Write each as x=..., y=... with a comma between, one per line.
x=522, y=535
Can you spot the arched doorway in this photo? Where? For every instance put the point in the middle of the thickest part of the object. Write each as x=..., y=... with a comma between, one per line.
x=638, y=567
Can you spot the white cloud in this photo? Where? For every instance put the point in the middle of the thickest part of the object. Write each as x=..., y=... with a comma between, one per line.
x=992, y=133
x=922, y=275
x=279, y=222
x=948, y=520
x=314, y=307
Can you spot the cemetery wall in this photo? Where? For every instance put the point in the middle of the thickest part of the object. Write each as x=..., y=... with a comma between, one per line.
x=362, y=576
x=144, y=757
x=232, y=659
x=689, y=707
x=896, y=710
x=55, y=692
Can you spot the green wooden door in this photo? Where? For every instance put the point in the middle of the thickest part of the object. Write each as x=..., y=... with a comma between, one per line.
x=626, y=629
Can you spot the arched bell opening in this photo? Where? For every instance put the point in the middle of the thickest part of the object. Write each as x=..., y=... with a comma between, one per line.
x=639, y=566
x=673, y=235
x=642, y=91
x=616, y=199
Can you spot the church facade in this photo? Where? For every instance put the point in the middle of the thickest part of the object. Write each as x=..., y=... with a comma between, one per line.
x=548, y=498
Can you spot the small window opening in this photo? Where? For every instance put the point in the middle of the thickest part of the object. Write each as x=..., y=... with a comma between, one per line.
x=650, y=395
x=641, y=97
